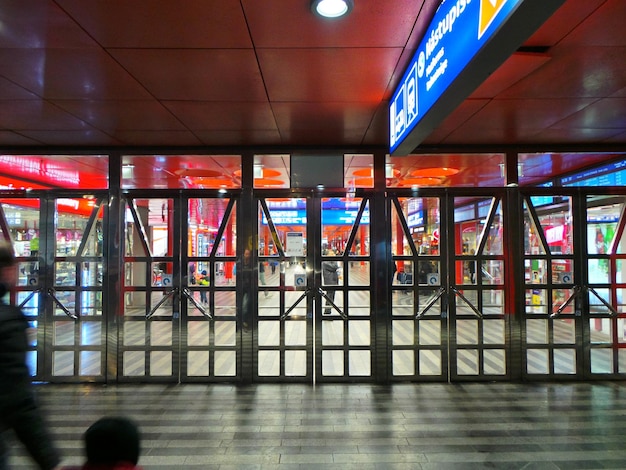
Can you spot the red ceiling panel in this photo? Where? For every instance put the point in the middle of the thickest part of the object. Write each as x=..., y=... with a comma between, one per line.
x=39, y=24
x=602, y=28
x=165, y=24
x=11, y=91
x=575, y=71
x=572, y=14
x=195, y=74
x=69, y=74
x=240, y=137
x=37, y=115
x=608, y=113
x=324, y=116
x=155, y=138
x=87, y=137
x=123, y=115
x=197, y=115
x=326, y=75
x=514, y=69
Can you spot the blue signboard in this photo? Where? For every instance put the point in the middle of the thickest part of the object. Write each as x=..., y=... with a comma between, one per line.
x=612, y=174
x=459, y=33
x=329, y=217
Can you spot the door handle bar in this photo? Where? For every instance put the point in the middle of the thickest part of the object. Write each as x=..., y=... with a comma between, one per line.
x=475, y=311
x=290, y=309
x=613, y=310
x=52, y=294
x=332, y=304
x=161, y=302
x=30, y=296
x=431, y=301
x=577, y=291
x=206, y=312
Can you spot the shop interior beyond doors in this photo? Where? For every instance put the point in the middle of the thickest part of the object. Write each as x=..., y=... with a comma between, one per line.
x=254, y=284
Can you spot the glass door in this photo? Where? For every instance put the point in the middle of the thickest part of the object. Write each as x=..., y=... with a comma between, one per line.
x=448, y=318
x=605, y=288
x=178, y=318
x=552, y=324
x=60, y=248
x=312, y=294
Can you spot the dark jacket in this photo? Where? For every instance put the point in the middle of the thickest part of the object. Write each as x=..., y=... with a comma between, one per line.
x=329, y=272
x=18, y=409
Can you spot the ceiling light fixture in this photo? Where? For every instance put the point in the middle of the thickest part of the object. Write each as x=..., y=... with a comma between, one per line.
x=331, y=8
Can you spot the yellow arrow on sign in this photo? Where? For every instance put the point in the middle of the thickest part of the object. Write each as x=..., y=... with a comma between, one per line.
x=488, y=11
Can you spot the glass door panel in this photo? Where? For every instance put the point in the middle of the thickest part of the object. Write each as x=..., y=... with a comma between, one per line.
x=313, y=291
x=208, y=312
x=605, y=328
x=448, y=319
x=78, y=324
x=62, y=300
x=418, y=321
x=479, y=322
x=345, y=302
x=180, y=281
x=283, y=322
x=20, y=220
x=150, y=323
x=551, y=323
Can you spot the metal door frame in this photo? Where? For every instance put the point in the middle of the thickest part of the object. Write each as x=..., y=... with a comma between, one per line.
x=69, y=337
x=445, y=295
x=180, y=295
x=314, y=294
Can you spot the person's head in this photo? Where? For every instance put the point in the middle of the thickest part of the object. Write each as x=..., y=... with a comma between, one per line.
x=8, y=272
x=112, y=440
x=204, y=272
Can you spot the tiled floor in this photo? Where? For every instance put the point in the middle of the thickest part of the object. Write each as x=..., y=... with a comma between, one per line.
x=407, y=426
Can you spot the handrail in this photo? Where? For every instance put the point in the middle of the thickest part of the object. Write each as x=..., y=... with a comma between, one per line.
x=30, y=296
x=433, y=298
x=52, y=294
x=577, y=291
x=475, y=311
x=332, y=304
x=161, y=302
x=613, y=310
x=290, y=309
x=206, y=312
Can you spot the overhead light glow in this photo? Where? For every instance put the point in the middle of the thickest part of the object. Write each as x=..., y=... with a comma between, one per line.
x=332, y=8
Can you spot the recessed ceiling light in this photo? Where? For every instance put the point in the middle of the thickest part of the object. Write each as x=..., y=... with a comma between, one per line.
x=331, y=8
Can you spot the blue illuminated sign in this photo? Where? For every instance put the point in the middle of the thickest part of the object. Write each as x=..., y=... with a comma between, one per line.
x=329, y=217
x=457, y=48
x=612, y=174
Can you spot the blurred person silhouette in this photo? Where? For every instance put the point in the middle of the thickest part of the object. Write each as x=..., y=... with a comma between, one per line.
x=244, y=273
x=262, y=276
x=19, y=411
x=330, y=276
x=111, y=443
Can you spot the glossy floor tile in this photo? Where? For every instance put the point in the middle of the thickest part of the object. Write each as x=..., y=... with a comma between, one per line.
x=406, y=426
